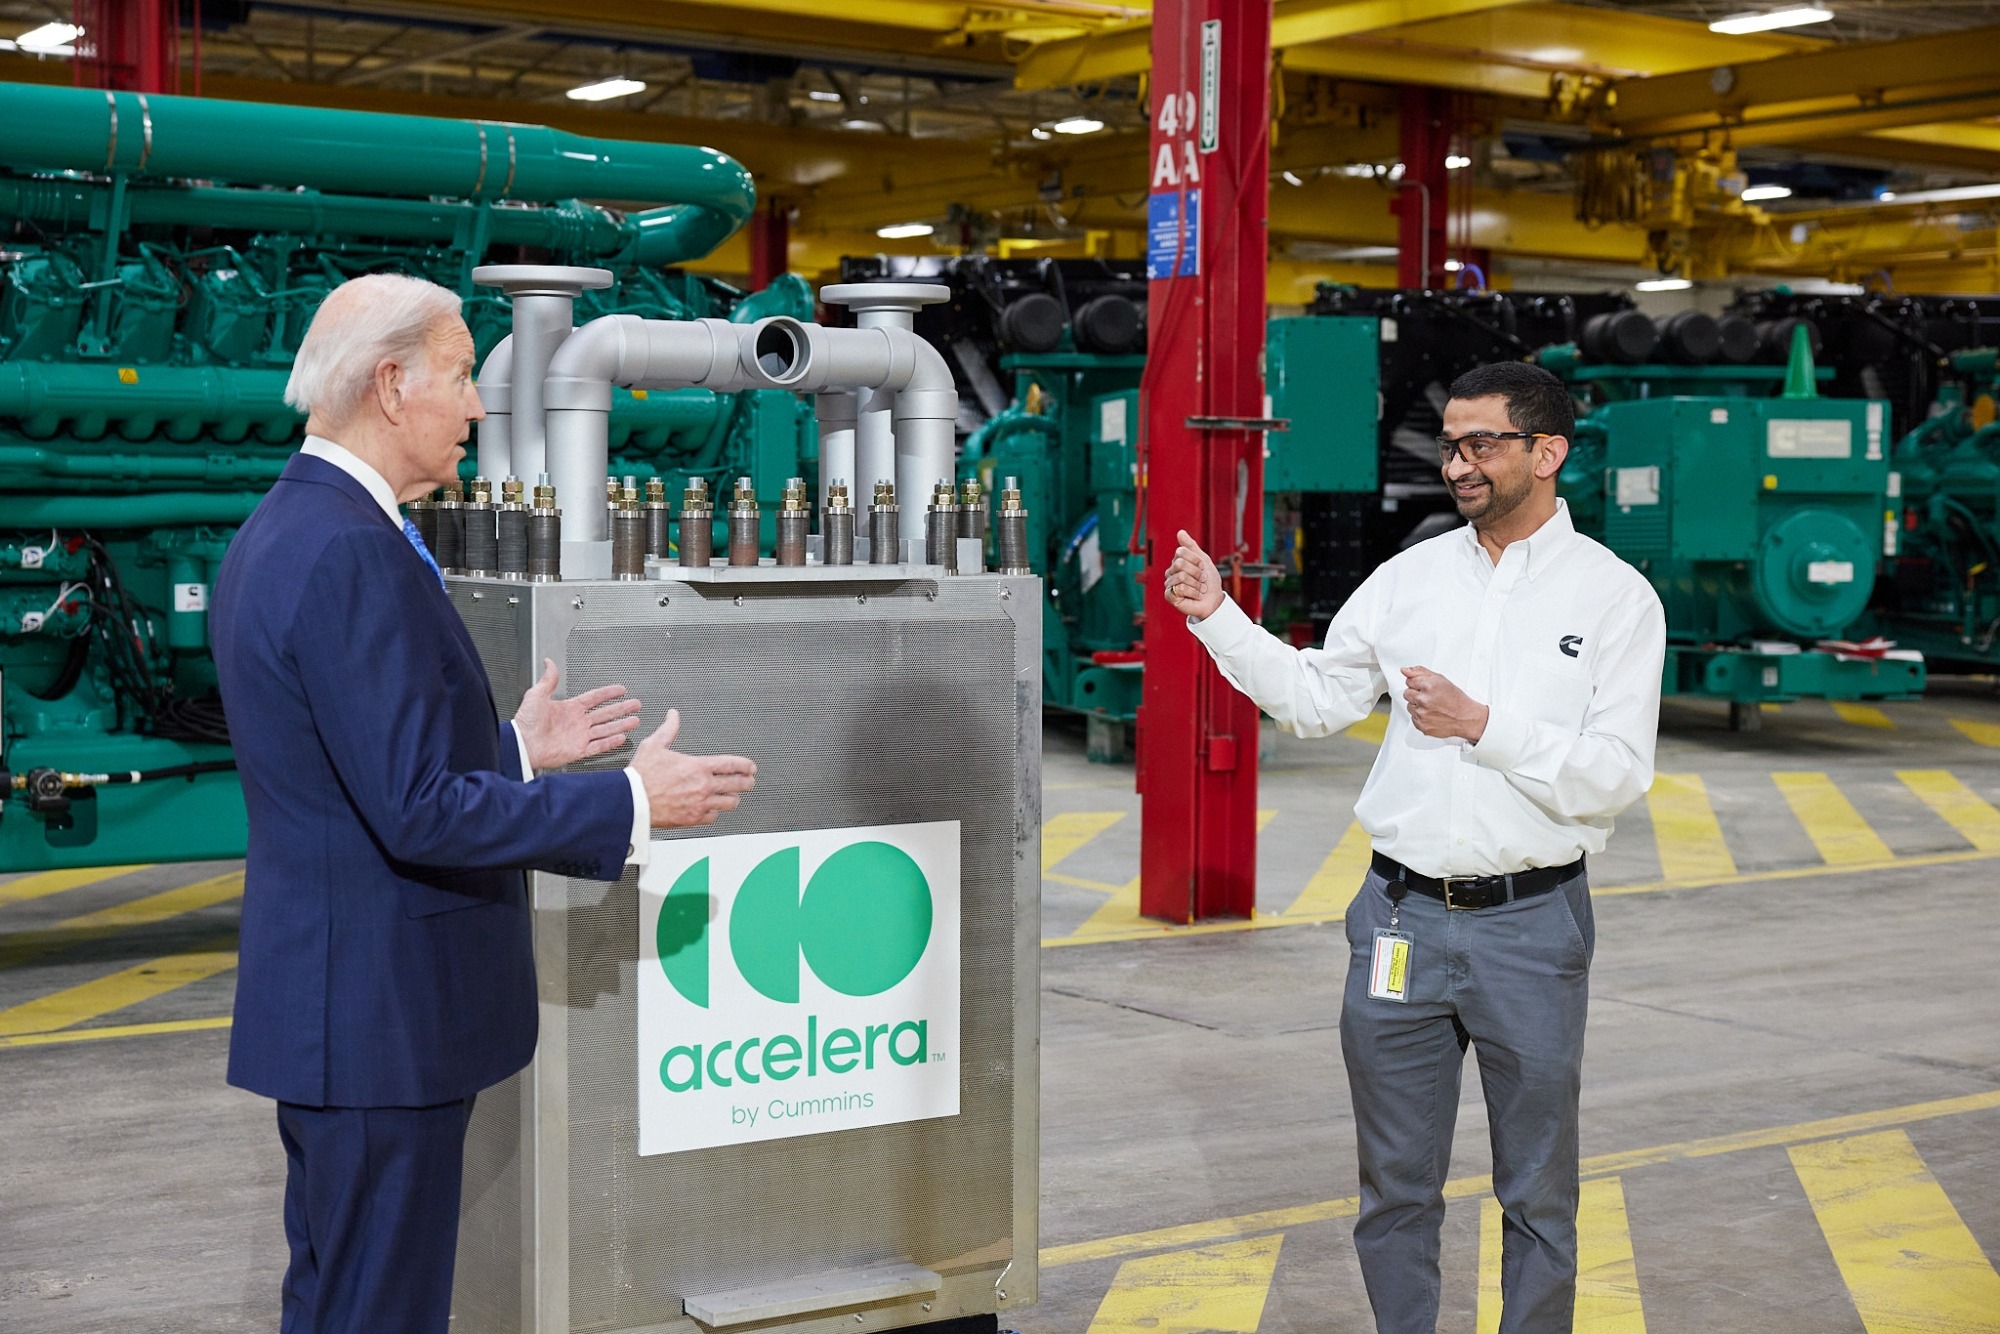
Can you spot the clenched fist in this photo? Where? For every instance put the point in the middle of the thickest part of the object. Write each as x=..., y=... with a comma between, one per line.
x=1439, y=708
x=1194, y=586
x=687, y=790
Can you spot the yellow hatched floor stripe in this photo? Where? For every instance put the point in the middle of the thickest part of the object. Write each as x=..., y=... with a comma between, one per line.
x=1910, y=1263
x=1686, y=830
x=1830, y=820
x=1984, y=734
x=1335, y=883
x=128, y=986
x=1065, y=833
x=41, y=884
x=1607, y=1275
x=1211, y=1288
x=1372, y=728
x=105, y=922
x=1264, y=819
x=1861, y=715
x=1958, y=805
x=69, y=1035
x=1119, y=914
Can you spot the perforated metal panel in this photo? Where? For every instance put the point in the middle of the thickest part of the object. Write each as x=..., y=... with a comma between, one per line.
x=862, y=705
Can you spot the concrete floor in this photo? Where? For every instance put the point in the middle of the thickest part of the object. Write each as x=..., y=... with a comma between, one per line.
x=1810, y=988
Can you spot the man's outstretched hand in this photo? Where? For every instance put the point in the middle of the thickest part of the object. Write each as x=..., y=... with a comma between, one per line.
x=686, y=790
x=559, y=732
x=1194, y=587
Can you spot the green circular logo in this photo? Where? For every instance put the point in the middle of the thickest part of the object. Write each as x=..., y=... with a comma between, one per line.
x=866, y=919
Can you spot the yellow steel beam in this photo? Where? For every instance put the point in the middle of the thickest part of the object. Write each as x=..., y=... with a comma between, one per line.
x=1846, y=89
x=1126, y=50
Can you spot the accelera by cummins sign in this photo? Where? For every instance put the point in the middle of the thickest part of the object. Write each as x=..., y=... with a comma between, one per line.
x=795, y=984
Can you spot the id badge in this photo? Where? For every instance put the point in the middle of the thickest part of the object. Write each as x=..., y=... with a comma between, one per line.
x=1389, y=972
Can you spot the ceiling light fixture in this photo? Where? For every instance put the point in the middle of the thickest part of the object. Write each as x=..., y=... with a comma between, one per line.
x=49, y=38
x=822, y=95
x=1293, y=178
x=1453, y=265
x=874, y=125
x=1736, y=25
x=1949, y=195
x=606, y=89
x=1663, y=285
x=1040, y=133
x=1756, y=193
x=1077, y=125
x=905, y=231
x=1457, y=162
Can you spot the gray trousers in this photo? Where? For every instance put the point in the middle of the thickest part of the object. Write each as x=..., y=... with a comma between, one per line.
x=1515, y=981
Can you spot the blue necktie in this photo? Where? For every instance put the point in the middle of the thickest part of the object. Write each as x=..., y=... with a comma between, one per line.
x=417, y=541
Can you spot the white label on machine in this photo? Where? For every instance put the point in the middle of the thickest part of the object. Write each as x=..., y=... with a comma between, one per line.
x=1895, y=485
x=1830, y=572
x=31, y=558
x=1636, y=486
x=1718, y=416
x=1889, y=532
x=1795, y=439
x=190, y=597
x=797, y=984
x=1388, y=330
x=1090, y=560
x=1875, y=429
x=1111, y=420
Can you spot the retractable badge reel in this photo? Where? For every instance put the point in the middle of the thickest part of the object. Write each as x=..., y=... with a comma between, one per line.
x=1389, y=970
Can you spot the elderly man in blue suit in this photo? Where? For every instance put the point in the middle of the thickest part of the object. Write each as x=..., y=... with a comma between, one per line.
x=387, y=969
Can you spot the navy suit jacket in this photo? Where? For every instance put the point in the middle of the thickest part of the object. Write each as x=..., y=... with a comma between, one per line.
x=386, y=955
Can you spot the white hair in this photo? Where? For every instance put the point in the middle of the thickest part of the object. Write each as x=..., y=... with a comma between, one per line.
x=363, y=322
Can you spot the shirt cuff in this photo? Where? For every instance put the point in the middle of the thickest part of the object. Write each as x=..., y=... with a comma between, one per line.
x=1503, y=742
x=640, y=850
x=527, y=767
x=1222, y=629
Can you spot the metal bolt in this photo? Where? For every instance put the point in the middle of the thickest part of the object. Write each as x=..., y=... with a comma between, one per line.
x=663, y=600
x=576, y=602
x=513, y=601
x=932, y=595
x=477, y=595
x=927, y=1306
x=861, y=599
x=1006, y=595
x=1001, y=1293
x=739, y=599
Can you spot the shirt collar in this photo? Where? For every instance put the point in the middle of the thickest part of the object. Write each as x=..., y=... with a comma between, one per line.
x=339, y=456
x=1539, y=547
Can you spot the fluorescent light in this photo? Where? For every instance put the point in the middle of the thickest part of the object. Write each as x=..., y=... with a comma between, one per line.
x=905, y=231
x=1077, y=125
x=1757, y=192
x=1396, y=172
x=1453, y=265
x=1949, y=195
x=1457, y=162
x=1663, y=285
x=1293, y=178
x=49, y=39
x=1041, y=133
x=821, y=95
x=863, y=125
x=1797, y=17
x=1359, y=170
x=606, y=89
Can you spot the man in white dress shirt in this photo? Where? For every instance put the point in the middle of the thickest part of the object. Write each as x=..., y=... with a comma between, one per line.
x=1522, y=662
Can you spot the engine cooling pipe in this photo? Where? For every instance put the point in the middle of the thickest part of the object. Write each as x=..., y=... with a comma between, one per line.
x=496, y=395
x=636, y=354
x=885, y=363
x=86, y=401
x=48, y=128
x=544, y=305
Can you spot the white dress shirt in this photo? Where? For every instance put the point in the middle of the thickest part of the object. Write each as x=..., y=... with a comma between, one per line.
x=1560, y=639
x=637, y=852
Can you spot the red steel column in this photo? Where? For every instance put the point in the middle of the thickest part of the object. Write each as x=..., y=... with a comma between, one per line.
x=129, y=45
x=770, y=243
x=1423, y=205
x=1197, y=737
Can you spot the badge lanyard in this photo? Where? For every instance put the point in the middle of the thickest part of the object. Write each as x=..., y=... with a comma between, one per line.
x=1389, y=970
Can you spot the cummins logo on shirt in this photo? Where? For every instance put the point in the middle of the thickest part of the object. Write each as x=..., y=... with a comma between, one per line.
x=1569, y=645
x=792, y=984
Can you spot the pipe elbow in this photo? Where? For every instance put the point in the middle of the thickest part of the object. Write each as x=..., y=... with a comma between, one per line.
x=927, y=391
x=589, y=361
x=496, y=378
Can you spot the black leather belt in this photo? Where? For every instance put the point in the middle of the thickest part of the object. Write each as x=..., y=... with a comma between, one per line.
x=1478, y=891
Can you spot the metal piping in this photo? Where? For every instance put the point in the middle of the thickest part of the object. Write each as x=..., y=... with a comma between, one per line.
x=496, y=395
x=835, y=410
x=544, y=305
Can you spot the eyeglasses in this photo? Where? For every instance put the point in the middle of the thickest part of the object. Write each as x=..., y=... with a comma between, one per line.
x=1479, y=446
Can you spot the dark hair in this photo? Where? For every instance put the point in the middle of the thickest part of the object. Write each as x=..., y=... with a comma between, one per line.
x=1536, y=400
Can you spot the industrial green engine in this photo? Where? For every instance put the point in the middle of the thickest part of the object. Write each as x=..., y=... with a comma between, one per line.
x=160, y=258
x=1760, y=521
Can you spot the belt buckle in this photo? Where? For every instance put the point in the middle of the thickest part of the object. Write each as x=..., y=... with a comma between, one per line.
x=1450, y=880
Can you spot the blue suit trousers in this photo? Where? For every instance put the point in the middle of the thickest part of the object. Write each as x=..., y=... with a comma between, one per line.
x=371, y=1213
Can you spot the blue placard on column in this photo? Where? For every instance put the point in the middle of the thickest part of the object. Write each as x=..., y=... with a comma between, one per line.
x=1167, y=233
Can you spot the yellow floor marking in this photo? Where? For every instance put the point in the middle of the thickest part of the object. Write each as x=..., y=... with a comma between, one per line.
x=1117, y=915
x=1984, y=734
x=1685, y=828
x=1910, y=1263
x=1771, y=708
x=1459, y=1188
x=1065, y=833
x=43, y=883
x=22, y=946
x=1372, y=728
x=1337, y=880
x=68, y=1035
x=1861, y=715
x=1607, y=1276
x=1082, y=882
x=1264, y=819
x=1961, y=808
x=128, y=986
x=1211, y=1288
x=1830, y=820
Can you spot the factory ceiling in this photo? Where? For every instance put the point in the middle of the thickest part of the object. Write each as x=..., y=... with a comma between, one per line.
x=1023, y=121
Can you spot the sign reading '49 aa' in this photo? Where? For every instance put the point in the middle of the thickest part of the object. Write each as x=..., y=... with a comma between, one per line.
x=794, y=984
